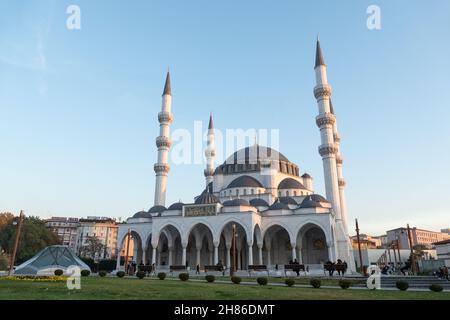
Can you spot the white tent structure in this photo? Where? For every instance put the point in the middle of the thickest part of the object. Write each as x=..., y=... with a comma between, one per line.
x=46, y=261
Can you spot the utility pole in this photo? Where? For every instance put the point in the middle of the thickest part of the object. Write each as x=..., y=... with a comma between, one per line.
x=359, y=247
x=413, y=259
x=16, y=242
x=127, y=250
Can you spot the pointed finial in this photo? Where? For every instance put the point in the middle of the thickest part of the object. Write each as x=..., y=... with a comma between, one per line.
x=210, y=125
x=319, y=56
x=167, y=89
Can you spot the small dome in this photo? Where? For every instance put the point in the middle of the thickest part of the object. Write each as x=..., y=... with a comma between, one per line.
x=288, y=200
x=157, y=209
x=277, y=205
x=307, y=176
x=290, y=183
x=206, y=198
x=176, y=206
x=258, y=202
x=318, y=198
x=309, y=202
x=142, y=214
x=245, y=181
x=236, y=202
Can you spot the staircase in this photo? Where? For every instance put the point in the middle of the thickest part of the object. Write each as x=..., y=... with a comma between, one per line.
x=416, y=282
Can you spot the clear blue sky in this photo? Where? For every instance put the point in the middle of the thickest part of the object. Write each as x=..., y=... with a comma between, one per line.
x=78, y=109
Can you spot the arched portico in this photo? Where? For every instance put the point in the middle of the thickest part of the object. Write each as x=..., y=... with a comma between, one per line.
x=200, y=248
x=312, y=244
x=278, y=246
x=242, y=256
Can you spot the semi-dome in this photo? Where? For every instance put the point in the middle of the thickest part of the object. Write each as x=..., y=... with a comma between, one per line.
x=157, y=209
x=176, y=206
x=236, y=202
x=142, y=214
x=277, y=205
x=290, y=183
x=245, y=181
x=258, y=202
x=206, y=198
x=288, y=200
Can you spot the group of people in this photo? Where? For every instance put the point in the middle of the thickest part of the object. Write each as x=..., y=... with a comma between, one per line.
x=442, y=273
x=339, y=266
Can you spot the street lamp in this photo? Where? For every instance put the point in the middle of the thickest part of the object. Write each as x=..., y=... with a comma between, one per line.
x=16, y=242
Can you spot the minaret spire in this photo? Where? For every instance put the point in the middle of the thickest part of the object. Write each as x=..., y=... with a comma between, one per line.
x=163, y=143
x=319, y=55
x=210, y=153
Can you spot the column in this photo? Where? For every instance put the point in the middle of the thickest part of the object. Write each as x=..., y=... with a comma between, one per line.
x=238, y=259
x=268, y=256
x=228, y=256
x=299, y=256
x=159, y=256
x=183, y=259
x=260, y=254
x=170, y=256
x=294, y=252
x=216, y=253
x=210, y=256
x=250, y=254
x=154, y=256
x=144, y=255
x=198, y=255
x=118, y=261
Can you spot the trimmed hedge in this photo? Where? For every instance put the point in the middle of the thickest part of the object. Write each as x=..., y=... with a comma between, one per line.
x=436, y=287
x=184, y=276
x=236, y=279
x=58, y=272
x=262, y=281
x=210, y=278
x=85, y=273
x=289, y=282
x=161, y=275
x=402, y=285
x=120, y=274
x=140, y=274
x=102, y=273
x=344, y=283
x=315, y=283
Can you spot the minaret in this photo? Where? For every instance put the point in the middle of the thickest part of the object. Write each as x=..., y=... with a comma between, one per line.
x=341, y=181
x=163, y=143
x=210, y=153
x=325, y=121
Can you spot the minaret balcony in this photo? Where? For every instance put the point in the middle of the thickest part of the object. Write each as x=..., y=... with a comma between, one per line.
x=322, y=91
x=163, y=168
x=165, y=117
x=341, y=183
x=325, y=119
x=163, y=141
x=327, y=149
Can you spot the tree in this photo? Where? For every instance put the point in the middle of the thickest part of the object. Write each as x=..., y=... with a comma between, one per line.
x=419, y=250
x=93, y=248
x=34, y=237
x=5, y=217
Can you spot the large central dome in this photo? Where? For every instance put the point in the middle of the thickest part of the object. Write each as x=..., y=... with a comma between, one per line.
x=255, y=157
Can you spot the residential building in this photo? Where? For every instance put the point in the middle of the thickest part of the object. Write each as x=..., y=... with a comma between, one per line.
x=66, y=229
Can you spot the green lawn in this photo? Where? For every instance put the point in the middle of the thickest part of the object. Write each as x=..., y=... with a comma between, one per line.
x=133, y=288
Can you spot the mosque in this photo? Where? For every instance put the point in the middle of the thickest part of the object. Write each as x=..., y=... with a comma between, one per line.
x=272, y=207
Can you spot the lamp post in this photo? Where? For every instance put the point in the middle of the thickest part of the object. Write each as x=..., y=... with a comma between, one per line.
x=413, y=259
x=233, y=251
x=16, y=242
x=359, y=246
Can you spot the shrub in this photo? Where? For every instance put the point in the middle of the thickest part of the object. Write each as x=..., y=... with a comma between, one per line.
x=161, y=275
x=107, y=265
x=120, y=274
x=102, y=273
x=289, y=282
x=183, y=276
x=315, y=283
x=344, y=284
x=85, y=273
x=236, y=279
x=262, y=281
x=210, y=278
x=140, y=274
x=90, y=262
x=402, y=285
x=58, y=272
x=436, y=287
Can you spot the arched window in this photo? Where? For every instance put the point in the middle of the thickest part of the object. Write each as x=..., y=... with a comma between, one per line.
x=253, y=191
x=287, y=193
x=295, y=193
x=237, y=192
x=245, y=192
